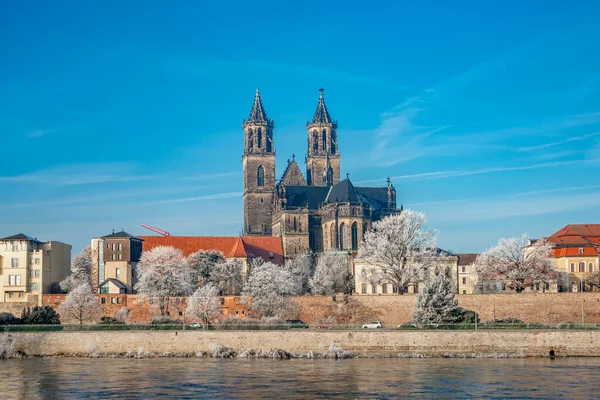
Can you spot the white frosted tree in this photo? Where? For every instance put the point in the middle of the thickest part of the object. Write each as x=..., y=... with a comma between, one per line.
x=436, y=303
x=593, y=278
x=226, y=277
x=301, y=268
x=516, y=263
x=80, y=270
x=400, y=249
x=162, y=273
x=269, y=287
x=204, y=304
x=332, y=275
x=81, y=304
x=203, y=262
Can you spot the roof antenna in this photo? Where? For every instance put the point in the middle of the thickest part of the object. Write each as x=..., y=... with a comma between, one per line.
x=113, y=231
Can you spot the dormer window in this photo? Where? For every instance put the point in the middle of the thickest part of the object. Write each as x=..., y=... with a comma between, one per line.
x=580, y=250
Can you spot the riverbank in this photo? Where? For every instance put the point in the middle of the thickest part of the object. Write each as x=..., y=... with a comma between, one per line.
x=306, y=344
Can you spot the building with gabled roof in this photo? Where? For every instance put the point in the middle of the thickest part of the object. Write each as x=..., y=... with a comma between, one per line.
x=318, y=213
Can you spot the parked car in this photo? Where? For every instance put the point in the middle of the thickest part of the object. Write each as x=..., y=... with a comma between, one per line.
x=296, y=324
x=324, y=325
x=196, y=325
x=373, y=325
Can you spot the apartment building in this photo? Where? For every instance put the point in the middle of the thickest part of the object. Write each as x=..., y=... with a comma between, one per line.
x=30, y=268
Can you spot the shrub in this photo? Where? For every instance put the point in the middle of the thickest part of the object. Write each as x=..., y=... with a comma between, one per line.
x=105, y=320
x=40, y=315
x=505, y=321
x=7, y=318
x=464, y=316
x=163, y=320
x=232, y=323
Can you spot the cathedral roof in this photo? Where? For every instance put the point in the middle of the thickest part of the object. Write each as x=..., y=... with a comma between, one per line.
x=292, y=175
x=321, y=113
x=342, y=192
x=258, y=113
x=301, y=196
x=376, y=196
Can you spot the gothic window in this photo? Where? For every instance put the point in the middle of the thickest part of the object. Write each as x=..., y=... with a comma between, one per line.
x=269, y=145
x=259, y=133
x=315, y=142
x=295, y=224
x=324, y=139
x=260, y=176
x=343, y=237
x=329, y=177
x=365, y=229
x=354, y=236
x=332, y=237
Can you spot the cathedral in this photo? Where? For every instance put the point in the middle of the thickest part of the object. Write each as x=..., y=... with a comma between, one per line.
x=314, y=214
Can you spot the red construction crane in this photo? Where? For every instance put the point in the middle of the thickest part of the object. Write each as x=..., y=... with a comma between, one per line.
x=156, y=230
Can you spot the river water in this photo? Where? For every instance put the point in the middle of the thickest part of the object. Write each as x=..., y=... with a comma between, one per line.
x=64, y=378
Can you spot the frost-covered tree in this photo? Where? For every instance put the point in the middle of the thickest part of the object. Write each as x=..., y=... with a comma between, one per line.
x=226, y=277
x=332, y=275
x=301, y=268
x=517, y=263
x=270, y=286
x=593, y=278
x=81, y=304
x=204, y=304
x=122, y=315
x=400, y=249
x=436, y=302
x=162, y=273
x=80, y=270
x=203, y=262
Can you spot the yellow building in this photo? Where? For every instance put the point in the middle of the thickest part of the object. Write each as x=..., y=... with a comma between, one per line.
x=576, y=252
x=466, y=277
x=363, y=271
x=30, y=268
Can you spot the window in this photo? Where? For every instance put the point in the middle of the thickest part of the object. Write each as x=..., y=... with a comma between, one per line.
x=37, y=261
x=31, y=261
x=464, y=292
x=324, y=139
x=315, y=142
x=295, y=224
x=14, y=262
x=104, y=290
x=580, y=250
x=364, y=289
x=118, y=300
x=537, y=286
x=260, y=176
x=384, y=288
x=21, y=295
x=395, y=289
x=464, y=269
x=102, y=300
x=14, y=280
x=120, y=246
x=365, y=229
x=590, y=267
x=354, y=236
x=33, y=287
x=31, y=273
x=581, y=266
x=37, y=273
x=547, y=285
x=416, y=287
x=114, y=257
x=464, y=281
x=572, y=267
x=250, y=140
x=343, y=238
x=114, y=246
x=373, y=288
x=118, y=272
x=120, y=256
x=332, y=237
x=259, y=134
x=113, y=300
x=11, y=295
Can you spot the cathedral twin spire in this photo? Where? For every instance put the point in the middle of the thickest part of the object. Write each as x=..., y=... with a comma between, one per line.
x=321, y=113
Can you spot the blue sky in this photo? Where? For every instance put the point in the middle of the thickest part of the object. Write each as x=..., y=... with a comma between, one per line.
x=485, y=114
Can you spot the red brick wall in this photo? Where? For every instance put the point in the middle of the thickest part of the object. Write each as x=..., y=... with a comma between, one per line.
x=534, y=307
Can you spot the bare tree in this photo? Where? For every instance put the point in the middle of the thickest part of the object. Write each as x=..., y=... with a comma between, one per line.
x=227, y=277
x=81, y=304
x=203, y=263
x=400, y=249
x=270, y=286
x=593, y=278
x=204, y=304
x=162, y=273
x=517, y=264
x=332, y=275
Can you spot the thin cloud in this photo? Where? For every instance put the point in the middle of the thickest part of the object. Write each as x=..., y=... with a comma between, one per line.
x=457, y=173
x=210, y=176
x=557, y=143
x=40, y=132
x=198, y=198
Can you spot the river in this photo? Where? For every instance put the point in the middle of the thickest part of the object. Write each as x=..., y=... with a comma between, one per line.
x=64, y=378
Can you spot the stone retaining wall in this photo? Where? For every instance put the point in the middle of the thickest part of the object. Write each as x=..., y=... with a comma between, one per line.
x=360, y=343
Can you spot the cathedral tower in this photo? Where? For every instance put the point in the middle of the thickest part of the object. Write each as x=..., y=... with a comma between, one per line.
x=323, y=157
x=259, y=170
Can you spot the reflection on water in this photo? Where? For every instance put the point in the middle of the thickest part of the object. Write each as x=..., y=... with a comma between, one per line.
x=60, y=378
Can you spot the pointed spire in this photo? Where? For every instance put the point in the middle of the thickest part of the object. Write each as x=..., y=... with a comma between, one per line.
x=257, y=114
x=321, y=114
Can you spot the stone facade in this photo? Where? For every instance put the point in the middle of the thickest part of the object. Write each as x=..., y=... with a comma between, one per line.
x=319, y=213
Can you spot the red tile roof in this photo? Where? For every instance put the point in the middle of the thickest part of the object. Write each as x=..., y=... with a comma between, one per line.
x=571, y=238
x=230, y=246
